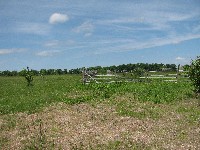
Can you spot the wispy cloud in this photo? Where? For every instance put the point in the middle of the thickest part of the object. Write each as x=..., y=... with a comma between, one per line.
x=130, y=45
x=153, y=17
x=180, y=58
x=58, y=18
x=33, y=28
x=162, y=21
x=48, y=53
x=52, y=43
x=12, y=50
x=59, y=43
x=86, y=28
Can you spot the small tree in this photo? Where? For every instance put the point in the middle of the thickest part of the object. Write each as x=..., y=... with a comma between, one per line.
x=194, y=74
x=138, y=72
x=28, y=76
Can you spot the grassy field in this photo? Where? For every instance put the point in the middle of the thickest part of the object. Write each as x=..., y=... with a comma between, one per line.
x=59, y=112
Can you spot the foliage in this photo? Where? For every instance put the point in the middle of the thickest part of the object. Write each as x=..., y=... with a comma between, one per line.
x=194, y=73
x=118, y=69
x=138, y=72
x=28, y=76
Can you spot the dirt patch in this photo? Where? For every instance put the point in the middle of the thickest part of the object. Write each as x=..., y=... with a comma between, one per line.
x=83, y=126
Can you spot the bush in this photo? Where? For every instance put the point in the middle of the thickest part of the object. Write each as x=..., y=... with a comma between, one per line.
x=28, y=76
x=194, y=74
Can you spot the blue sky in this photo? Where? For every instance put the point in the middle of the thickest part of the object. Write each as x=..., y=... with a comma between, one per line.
x=82, y=33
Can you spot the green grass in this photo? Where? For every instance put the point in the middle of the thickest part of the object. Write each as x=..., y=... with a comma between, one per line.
x=16, y=96
x=136, y=115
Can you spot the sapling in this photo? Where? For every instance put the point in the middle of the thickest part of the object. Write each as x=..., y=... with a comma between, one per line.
x=28, y=76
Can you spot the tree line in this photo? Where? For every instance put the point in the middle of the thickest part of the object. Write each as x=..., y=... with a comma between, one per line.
x=99, y=69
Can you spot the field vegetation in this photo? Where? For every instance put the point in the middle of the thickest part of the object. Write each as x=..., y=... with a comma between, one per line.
x=59, y=112
x=17, y=97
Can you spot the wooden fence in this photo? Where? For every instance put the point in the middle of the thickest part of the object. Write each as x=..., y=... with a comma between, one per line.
x=93, y=77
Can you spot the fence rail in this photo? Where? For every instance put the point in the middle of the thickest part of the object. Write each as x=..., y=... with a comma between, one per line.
x=93, y=77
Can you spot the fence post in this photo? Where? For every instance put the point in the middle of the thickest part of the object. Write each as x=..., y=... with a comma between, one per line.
x=83, y=76
x=177, y=76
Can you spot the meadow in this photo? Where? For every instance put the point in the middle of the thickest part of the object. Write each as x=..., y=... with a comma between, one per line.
x=59, y=112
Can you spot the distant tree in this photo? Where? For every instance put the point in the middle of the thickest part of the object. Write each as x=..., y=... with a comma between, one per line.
x=77, y=71
x=35, y=72
x=122, y=68
x=43, y=72
x=71, y=71
x=50, y=71
x=14, y=73
x=6, y=73
x=173, y=67
x=65, y=71
x=59, y=71
x=138, y=72
x=112, y=68
x=186, y=67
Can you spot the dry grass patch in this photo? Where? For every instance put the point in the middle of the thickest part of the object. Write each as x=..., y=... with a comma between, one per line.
x=83, y=126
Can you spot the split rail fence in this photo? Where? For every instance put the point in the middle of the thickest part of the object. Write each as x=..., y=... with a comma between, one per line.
x=93, y=77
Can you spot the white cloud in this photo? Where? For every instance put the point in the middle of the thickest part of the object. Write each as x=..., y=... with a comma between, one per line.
x=57, y=44
x=151, y=17
x=87, y=34
x=180, y=58
x=58, y=18
x=86, y=28
x=151, y=20
x=5, y=51
x=48, y=53
x=12, y=50
x=52, y=43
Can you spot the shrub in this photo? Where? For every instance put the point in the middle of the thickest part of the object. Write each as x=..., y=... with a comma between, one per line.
x=28, y=76
x=194, y=74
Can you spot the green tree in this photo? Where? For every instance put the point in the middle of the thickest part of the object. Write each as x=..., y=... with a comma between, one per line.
x=186, y=67
x=28, y=76
x=65, y=71
x=194, y=74
x=43, y=72
x=138, y=72
x=59, y=71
